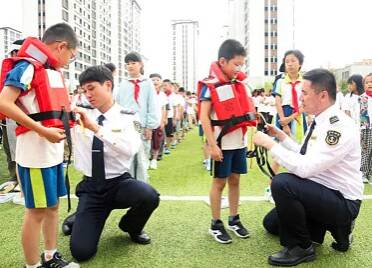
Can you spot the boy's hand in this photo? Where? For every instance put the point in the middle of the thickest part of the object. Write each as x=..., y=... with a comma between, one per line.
x=287, y=130
x=216, y=153
x=53, y=134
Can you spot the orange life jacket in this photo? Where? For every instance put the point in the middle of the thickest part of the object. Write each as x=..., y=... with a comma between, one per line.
x=47, y=84
x=233, y=107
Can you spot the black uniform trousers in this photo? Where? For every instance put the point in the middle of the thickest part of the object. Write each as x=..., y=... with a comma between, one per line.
x=305, y=210
x=97, y=199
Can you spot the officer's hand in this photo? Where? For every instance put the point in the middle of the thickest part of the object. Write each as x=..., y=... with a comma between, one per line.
x=216, y=153
x=264, y=140
x=273, y=131
x=53, y=134
x=85, y=121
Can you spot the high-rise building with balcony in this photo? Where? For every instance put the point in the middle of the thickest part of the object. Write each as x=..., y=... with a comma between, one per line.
x=106, y=29
x=184, y=46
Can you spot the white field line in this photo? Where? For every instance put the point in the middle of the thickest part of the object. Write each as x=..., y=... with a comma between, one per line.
x=206, y=198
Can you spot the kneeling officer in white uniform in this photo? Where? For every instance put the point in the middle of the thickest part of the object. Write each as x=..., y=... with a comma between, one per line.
x=104, y=145
x=323, y=188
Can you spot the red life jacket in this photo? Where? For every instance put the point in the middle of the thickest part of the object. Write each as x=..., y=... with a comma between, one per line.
x=47, y=84
x=233, y=107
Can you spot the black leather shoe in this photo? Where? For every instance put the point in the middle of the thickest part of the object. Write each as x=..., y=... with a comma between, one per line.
x=68, y=224
x=292, y=257
x=140, y=238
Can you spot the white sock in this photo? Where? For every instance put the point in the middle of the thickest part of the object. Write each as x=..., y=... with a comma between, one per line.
x=33, y=266
x=48, y=254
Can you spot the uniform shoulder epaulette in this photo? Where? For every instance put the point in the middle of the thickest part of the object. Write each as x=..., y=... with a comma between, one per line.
x=123, y=111
x=333, y=119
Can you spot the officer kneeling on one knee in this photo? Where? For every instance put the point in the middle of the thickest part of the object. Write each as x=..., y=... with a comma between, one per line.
x=105, y=142
x=323, y=188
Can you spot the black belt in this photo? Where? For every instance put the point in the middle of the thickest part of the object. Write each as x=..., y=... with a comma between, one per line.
x=125, y=175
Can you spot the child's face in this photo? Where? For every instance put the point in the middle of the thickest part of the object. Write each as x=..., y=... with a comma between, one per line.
x=368, y=83
x=134, y=68
x=156, y=81
x=167, y=87
x=233, y=66
x=292, y=64
x=351, y=87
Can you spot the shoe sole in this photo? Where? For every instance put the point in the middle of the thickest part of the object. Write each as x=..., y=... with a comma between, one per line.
x=305, y=259
x=236, y=233
x=218, y=240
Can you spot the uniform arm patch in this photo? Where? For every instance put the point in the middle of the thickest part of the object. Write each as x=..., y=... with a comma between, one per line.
x=332, y=137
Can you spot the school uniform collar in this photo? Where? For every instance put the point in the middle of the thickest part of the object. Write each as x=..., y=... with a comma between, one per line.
x=141, y=78
x=288, y=80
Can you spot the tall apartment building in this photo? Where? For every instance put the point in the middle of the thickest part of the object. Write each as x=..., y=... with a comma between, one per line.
x=266, y=29
x=184, y=46
x=106, y=29
x=7, y=37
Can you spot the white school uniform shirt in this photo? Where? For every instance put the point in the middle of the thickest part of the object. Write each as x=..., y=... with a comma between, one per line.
x=119, y=135
x=333, y=154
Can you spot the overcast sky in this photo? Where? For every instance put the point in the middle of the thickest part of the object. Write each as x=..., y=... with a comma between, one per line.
x=329, y=32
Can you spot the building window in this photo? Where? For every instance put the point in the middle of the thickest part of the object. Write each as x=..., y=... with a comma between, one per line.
x=65, y=15
x=65, y=4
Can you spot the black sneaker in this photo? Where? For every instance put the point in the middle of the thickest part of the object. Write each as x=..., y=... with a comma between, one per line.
x=57, y=262
x=219, y=233
x=237, y=227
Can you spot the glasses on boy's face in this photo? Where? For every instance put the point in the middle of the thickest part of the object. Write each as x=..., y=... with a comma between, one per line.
x=71, y=50
x=73, y=56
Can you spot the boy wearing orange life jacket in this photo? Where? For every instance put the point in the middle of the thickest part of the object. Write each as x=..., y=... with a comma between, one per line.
x=33, y=93
x=225, y=112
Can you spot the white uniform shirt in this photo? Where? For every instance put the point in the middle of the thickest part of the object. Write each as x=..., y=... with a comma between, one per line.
x=162, y=101
x=333, y=154
x=351, y=104
x=172, y=102
x=120, y=138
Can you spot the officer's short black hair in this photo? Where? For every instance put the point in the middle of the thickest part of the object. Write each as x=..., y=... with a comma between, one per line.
x=98, y=73
x=155, y=75
x=231, y=48
x=322, y=79
x=60, y=32
x=110, y=66
x=167, y=81
x=133, y=56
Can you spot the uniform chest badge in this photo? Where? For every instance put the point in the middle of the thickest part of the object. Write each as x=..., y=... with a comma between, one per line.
x=332, y=137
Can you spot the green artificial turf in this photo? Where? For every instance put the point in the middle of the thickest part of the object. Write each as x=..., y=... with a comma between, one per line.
x=179, y=228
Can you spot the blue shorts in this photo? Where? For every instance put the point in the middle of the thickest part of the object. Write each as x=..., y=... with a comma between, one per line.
x=234, y=161
x=42, y=186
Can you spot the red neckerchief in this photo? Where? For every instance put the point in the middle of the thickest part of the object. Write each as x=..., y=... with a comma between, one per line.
x=136, y=88
x=369, y=93
x=294, y=96
x=168, y=92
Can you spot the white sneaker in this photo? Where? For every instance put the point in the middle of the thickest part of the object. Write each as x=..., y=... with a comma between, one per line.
x=365, y=180
x=153, y=164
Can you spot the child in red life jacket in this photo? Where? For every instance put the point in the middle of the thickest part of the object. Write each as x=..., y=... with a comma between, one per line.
x=225, y=112
x=34, y=82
